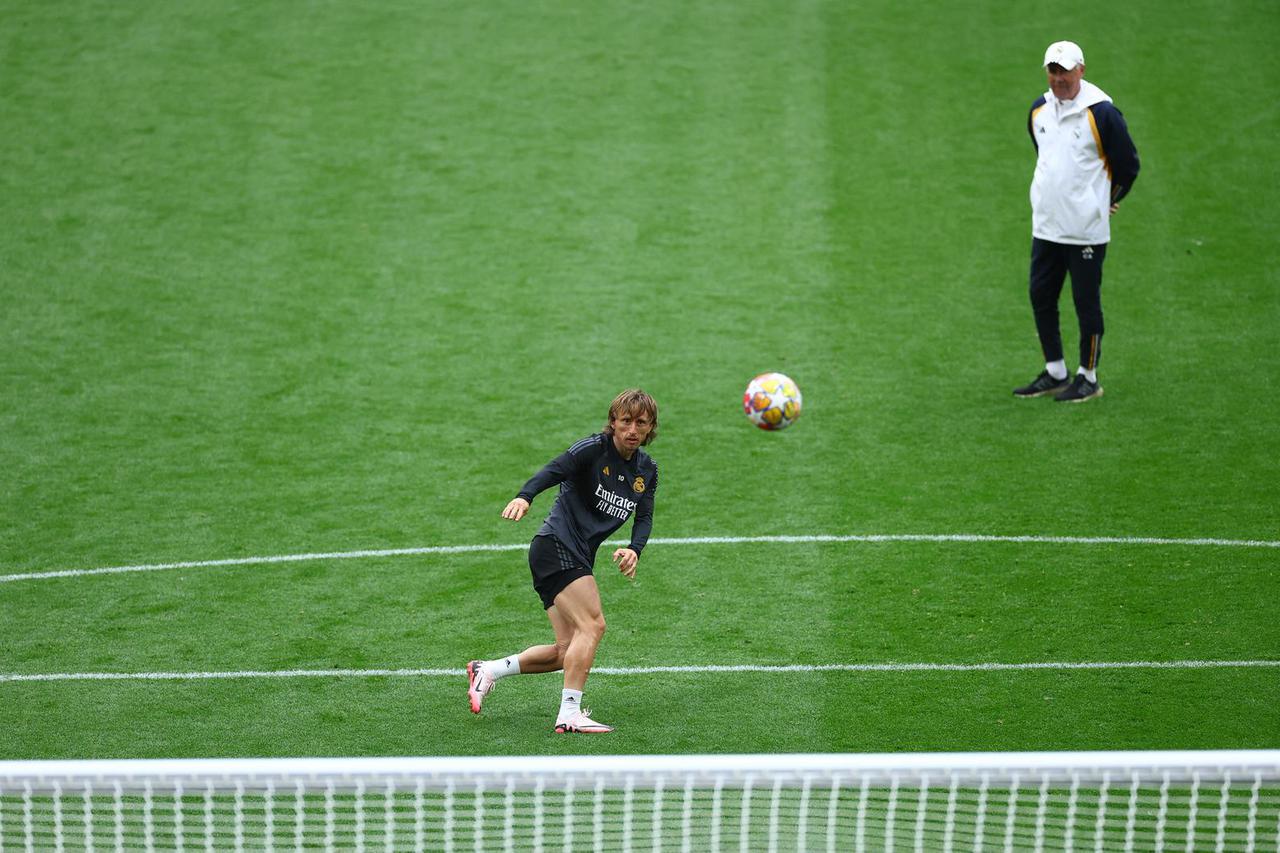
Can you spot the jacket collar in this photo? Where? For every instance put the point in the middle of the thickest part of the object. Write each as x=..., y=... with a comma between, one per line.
x=1088, y=95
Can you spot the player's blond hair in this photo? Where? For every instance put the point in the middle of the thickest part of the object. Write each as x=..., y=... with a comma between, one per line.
x=633, y=402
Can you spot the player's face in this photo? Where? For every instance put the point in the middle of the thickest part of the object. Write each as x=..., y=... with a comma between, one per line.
x=630, y=429
x=1064, y=84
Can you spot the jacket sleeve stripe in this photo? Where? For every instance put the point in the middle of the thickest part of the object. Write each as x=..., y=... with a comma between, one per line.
x=1031, y=122
x=1097, y=140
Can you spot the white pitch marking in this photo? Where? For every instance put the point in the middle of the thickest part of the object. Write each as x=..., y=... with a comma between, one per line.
x=687, y=540
x=650, y=670
x=254, y=561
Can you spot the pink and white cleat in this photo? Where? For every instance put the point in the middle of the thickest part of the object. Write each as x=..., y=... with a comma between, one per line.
x=581, y=723
x=479, y=684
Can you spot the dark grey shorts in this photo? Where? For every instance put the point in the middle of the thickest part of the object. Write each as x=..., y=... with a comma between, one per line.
x=553, y=568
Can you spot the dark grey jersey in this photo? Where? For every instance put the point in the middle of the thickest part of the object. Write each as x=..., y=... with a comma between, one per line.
x=599, y=490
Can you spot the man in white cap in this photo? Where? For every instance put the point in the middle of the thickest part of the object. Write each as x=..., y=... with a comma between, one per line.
x=1085, y=164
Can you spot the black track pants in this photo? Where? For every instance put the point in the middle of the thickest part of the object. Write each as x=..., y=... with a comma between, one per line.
x=1050, y=265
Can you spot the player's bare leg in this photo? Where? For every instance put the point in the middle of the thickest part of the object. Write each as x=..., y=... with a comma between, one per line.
x=483, y=675
x=578, y=605
x=549, y=658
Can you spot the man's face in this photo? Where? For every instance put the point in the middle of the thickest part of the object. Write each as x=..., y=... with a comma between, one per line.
x=630, y=429
x=1064, y=84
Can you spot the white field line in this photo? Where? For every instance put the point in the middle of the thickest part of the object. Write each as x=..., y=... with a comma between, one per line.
x=651, y=670
x=687, y=540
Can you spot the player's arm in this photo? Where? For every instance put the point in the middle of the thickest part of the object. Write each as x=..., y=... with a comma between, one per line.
x=1118, y=149
x=641, y=527
x=516, y=509
x=566, y=466
x=1031, y=115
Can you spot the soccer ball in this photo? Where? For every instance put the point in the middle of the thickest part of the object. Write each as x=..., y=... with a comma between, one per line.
x=772, y=401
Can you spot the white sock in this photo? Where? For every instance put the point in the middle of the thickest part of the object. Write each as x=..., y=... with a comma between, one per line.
x=570, y=704
x=1057, y=369
x=502, y=667
x=1091, y=375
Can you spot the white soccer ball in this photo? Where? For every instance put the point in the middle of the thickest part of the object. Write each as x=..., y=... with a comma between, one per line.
x=772, y=401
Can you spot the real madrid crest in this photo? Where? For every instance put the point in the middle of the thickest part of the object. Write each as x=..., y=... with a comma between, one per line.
x=638, y=485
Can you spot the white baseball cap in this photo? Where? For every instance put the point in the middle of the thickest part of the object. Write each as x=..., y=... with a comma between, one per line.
x=1065, y=53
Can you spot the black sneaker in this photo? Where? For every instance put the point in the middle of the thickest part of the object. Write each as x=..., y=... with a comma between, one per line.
x=1081, y=389
x=1041, y=385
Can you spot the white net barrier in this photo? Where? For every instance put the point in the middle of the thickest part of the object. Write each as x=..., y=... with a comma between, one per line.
x=1182, y=801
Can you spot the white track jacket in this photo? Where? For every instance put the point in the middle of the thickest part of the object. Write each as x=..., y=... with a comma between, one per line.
x=1085, y=161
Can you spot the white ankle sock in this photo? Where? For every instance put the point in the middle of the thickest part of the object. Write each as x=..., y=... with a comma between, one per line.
x=570, y=704
x=502, y=667
x=1091, y=375
x=1057, y=369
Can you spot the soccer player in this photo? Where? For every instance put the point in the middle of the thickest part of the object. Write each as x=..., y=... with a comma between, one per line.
x=1086, y=163
x=604, y=479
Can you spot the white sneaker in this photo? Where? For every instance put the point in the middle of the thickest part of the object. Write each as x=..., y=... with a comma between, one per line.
x=581, y=723
x=479, y=684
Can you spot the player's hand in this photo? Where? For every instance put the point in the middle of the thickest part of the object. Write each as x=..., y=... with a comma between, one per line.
x=516, y=509
x=1114, y=208
x=626, y=560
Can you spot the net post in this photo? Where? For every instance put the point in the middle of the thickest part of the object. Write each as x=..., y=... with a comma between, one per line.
x=628, y=796
x=178, y=840
x=58, y=841
x=802, y=830
x=420, y=816
x=208, y=816
x=833, y=808
x=597, y=815
x=329, y=822
x=509, y=816
x=238, y=829
x=1072, y=805
x=1251, y=833
x=389, y=815
x=891, y=813
x=860, y=832
x=1131, y=819
x=478, y=832
x=949, y=830
x=717, y=799
x=775, y=802
x=1220, y=837
x=1011, y=816
x=358, y=807
x=88, y=815
x=1163, y=811
x=28, y=817
x=979, y=823
x=686, y=817
x=299, y=814
x=1042, y=810
x=922, y=802
x=1193, y=804
x=269, y=816
x=1100, y=821
x=568, y=813
x=539, y=814
x=118, y=805
x=448, y=817
x=148, y=828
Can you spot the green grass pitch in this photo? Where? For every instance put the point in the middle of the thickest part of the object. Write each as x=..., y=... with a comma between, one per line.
x=318, y=277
